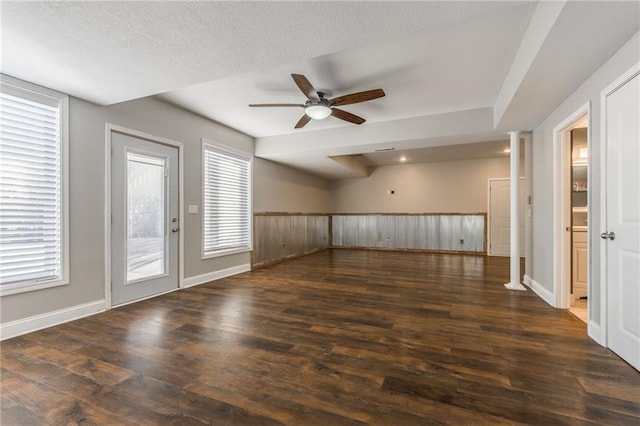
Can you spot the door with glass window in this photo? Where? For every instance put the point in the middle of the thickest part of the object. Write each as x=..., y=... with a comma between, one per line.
x=144, y=218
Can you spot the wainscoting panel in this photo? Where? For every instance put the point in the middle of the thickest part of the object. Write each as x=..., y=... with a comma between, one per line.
x=279, y=236
x=437, y=232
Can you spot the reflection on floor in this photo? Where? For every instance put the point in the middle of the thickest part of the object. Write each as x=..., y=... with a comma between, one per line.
x=580, y=309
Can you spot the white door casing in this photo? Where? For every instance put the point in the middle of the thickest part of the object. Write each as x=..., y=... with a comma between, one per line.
x=144, y=231
x=562, y=207
x=500, y=214
x=621, y=268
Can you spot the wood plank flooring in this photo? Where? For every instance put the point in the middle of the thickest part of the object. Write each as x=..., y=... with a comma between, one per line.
x=335, y=338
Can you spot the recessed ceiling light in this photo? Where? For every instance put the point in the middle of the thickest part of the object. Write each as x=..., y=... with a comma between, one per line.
x=506, y=150
x=403, y=158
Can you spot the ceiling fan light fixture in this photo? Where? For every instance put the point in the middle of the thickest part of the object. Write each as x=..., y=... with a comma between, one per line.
x=318, y=107
x=318, y=112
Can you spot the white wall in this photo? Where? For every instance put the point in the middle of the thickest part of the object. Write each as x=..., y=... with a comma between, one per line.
x=278, y=188
x=439, y=187
x=543, y=237
x=86, y=197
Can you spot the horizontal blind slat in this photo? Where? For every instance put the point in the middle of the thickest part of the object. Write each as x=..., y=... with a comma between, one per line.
x=226, y=201
x=30, y=191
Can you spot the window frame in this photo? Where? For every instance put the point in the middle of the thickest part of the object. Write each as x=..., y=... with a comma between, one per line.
x=238, y=154
x=32, y=91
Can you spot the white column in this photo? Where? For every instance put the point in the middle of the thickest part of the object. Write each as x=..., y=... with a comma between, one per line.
x=514, y=158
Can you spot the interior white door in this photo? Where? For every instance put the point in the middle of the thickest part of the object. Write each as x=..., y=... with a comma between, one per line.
x=500, y=217
x=623, y=220
x=144, y=215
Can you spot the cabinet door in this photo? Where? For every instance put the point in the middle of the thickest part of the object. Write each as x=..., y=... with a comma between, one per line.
x=579, y=264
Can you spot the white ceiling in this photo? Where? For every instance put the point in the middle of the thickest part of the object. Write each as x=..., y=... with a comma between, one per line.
x=437, y=69
x=108, y=52
x=467, y=151
x=454, y=72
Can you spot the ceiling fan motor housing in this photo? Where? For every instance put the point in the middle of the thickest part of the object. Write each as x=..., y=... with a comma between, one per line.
x=322, y=101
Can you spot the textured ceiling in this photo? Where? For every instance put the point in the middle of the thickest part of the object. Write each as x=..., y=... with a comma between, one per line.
x=452, y=66
x=109, y=52
x=454, y=72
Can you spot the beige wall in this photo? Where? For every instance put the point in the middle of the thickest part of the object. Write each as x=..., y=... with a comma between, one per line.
x=543, y=234
x=442, y=187
x=278, y=188
x=86, y=197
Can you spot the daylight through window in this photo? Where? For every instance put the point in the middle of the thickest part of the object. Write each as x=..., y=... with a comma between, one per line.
x=32, y=187
x=226, y=192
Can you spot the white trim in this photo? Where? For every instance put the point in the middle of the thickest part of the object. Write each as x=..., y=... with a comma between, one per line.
x=216, y=275
x=17, y=288
x=49, y=319
x=527, y=280
x=562, y=206
x=227, y=252
x=528, y=208
x=514, y=212
x=596, y=332
x=63, y=104
x=109, y=129
x=538, y=289
x=145, y=298
x=601, y=330
x=231, y=151
x=236, y=153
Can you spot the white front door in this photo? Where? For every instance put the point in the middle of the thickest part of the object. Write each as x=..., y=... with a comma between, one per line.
x=500, y=216
x=144, y=215
x=623, y=220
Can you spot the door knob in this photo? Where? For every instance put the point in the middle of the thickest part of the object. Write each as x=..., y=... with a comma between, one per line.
x=175, y=229
x=609, y=235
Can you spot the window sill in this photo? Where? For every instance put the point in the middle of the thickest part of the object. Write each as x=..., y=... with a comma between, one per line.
x=9, y=289
x=227, y=252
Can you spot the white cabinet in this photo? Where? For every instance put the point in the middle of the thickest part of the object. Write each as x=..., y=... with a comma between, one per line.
x=579, y=262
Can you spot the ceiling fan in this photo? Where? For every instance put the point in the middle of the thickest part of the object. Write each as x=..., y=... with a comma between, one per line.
x=318, y=107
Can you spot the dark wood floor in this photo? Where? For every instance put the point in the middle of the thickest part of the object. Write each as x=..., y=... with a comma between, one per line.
x=338, y=337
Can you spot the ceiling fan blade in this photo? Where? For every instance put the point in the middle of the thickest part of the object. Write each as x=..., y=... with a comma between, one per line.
x=303, y=121
x=355, y=98
x=276, y=105
x=347, y=116
x=305, y=86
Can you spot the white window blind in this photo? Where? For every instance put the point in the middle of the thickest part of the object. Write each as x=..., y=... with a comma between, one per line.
x=226, y=204
x=32, y=208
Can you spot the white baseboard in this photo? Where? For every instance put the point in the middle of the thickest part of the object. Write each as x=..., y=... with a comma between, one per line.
x=527, y=280
x=49, y=319
x=538, y=289
x=595, y=332
x=216, y=275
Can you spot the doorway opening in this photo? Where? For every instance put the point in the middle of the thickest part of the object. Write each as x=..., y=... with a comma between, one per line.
x=579, y=221
x=571, y=214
